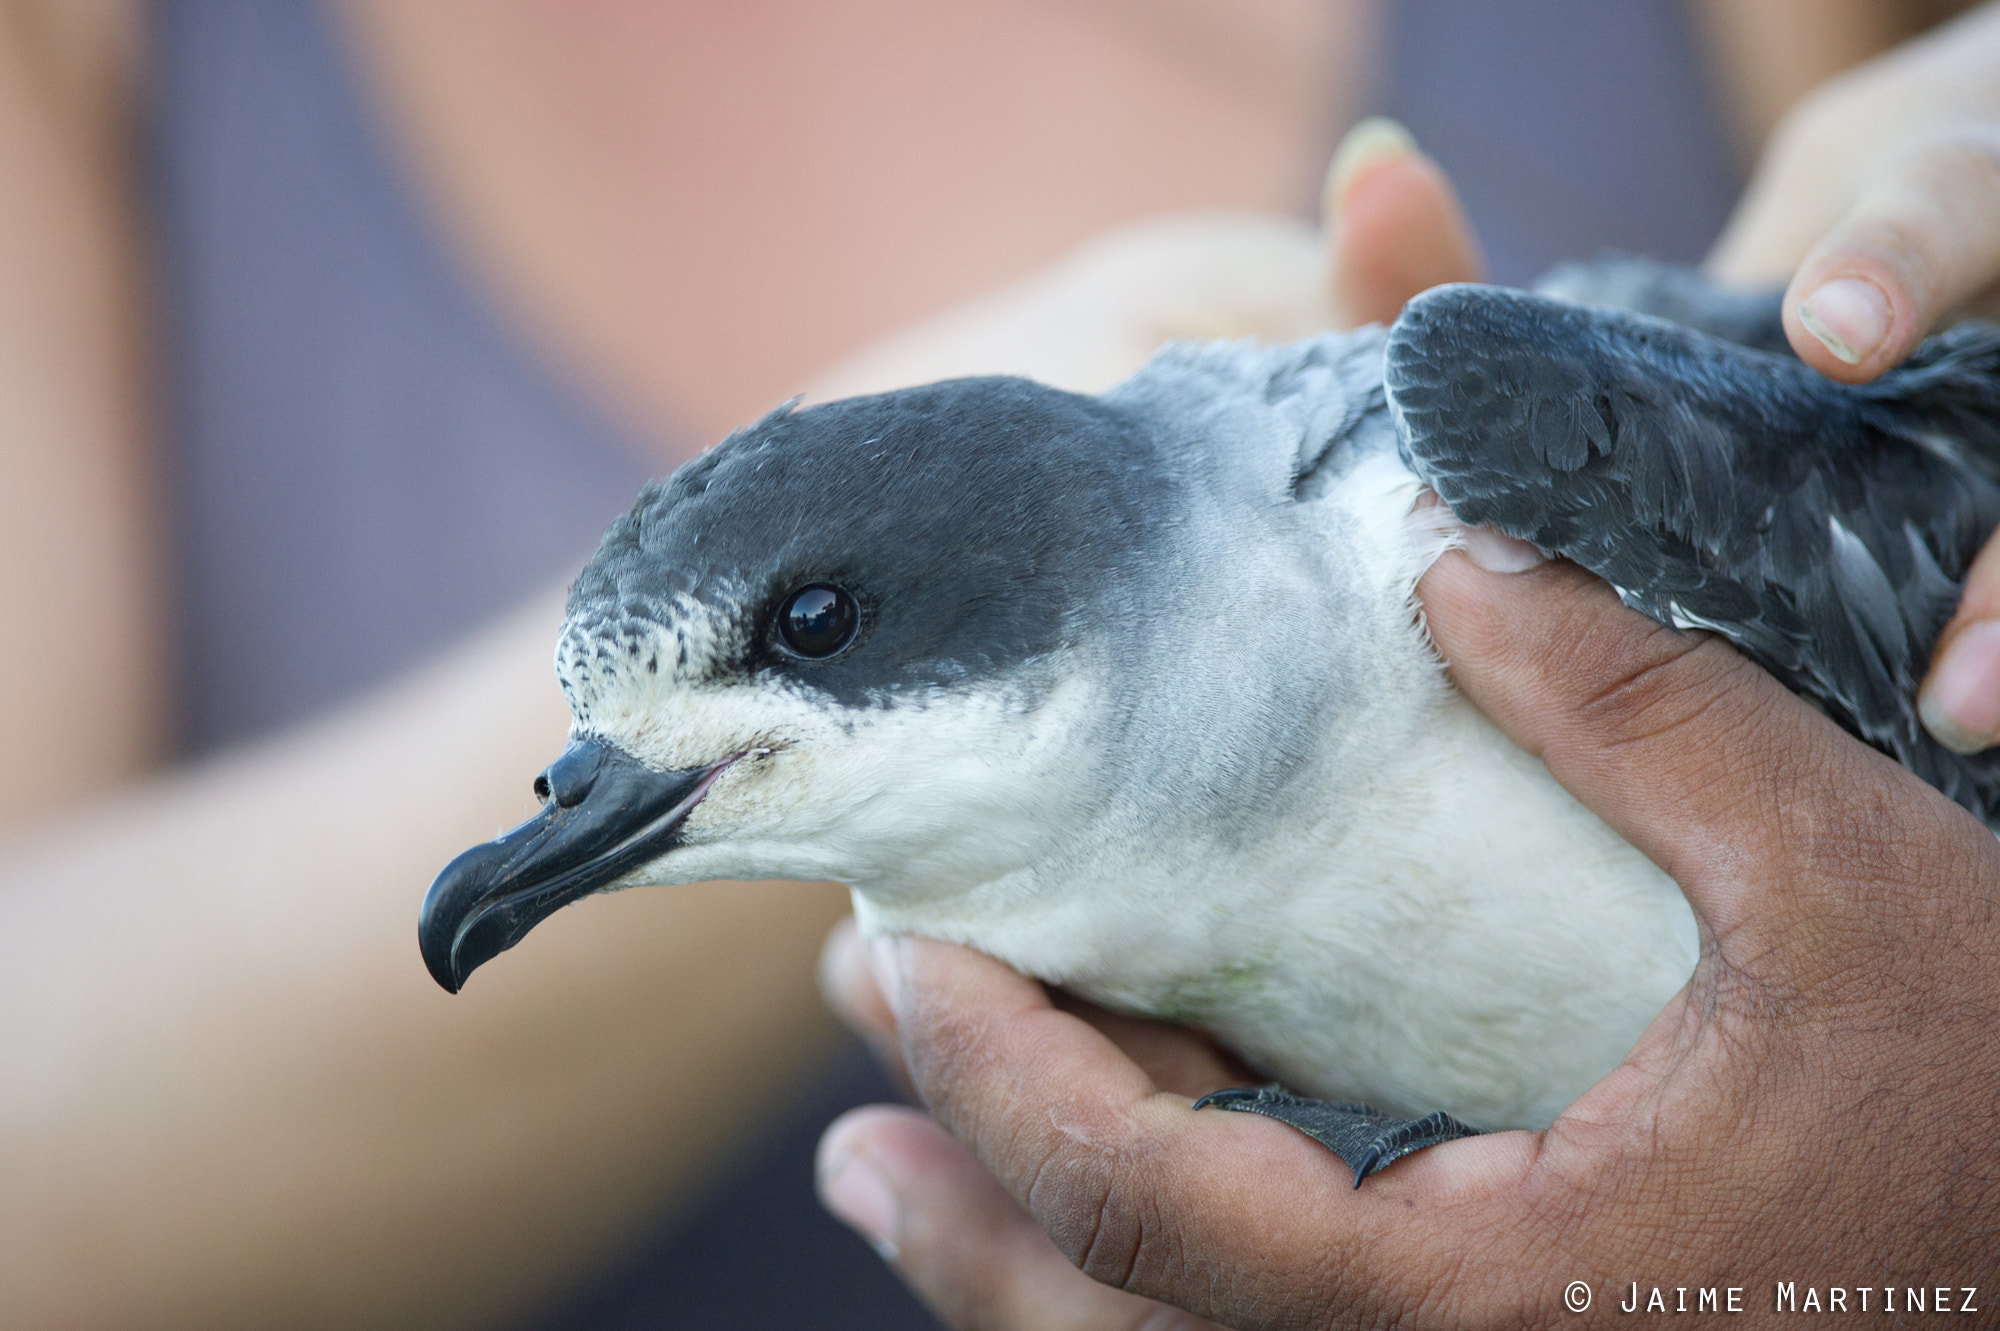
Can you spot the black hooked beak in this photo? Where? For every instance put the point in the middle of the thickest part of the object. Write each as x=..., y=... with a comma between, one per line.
x=604, y=813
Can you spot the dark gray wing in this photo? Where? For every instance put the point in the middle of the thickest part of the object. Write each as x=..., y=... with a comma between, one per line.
x=1824, y=529
x=1751, y=316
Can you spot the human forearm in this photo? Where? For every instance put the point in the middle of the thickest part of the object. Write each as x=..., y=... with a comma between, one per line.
x=230, y=1095
x=79, y=681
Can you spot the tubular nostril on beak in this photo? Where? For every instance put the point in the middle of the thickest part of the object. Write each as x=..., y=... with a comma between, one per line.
x=569, y=778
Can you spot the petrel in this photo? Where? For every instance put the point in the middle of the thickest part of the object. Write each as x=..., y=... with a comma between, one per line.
x=1131, y=691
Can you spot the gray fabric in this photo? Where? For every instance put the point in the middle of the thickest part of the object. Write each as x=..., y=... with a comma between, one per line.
x=364, y=465
x=1568, y=126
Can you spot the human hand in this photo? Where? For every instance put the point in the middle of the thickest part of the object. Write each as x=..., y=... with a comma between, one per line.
x=1886, y=180
x=960, y=1240
x=1393, y=226
x=1813, y=1108
x=1880, y=196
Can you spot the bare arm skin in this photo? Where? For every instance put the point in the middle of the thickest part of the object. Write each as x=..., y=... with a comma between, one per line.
x=229, y=1096
x=80, y=696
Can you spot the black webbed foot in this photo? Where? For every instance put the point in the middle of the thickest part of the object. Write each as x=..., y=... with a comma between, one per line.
x=1363, y=1139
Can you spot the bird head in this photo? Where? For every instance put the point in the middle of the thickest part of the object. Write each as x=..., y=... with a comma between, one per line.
x=846, y=644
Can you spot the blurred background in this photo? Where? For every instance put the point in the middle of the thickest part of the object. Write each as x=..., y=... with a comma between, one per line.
x=335, y=331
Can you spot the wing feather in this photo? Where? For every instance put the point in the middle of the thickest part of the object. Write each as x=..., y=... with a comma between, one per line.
x=1825, y=529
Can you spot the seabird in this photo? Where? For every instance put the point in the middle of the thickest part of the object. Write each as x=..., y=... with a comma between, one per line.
x=1131, y=691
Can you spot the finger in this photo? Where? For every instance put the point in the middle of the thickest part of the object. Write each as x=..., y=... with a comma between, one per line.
x=1394, y=225
x=1775, y=823
x=1960, y=698
x=1174, y=1058
x=1922, y=240
x=848, y=985
x=1205, y=1210
x=964, y=1246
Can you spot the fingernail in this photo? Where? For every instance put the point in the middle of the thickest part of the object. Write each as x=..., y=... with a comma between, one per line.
x=1497, y=552
x=1960, y=703
x=1849, y=315
x=855, y=1191
x=885, y=959
x=1372, y=140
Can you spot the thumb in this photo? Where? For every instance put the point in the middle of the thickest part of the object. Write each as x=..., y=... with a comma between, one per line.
x=1923, y=238
x=1393, y=226
x=958, y=1239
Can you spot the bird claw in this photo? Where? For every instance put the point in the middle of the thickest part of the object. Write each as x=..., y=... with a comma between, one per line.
x=1363, y=1139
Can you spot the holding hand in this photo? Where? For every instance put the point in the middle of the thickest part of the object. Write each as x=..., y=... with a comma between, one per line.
x=1807, y=1110
x=1879, y=197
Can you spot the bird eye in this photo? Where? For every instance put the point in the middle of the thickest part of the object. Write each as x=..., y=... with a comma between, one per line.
x=818, y=621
